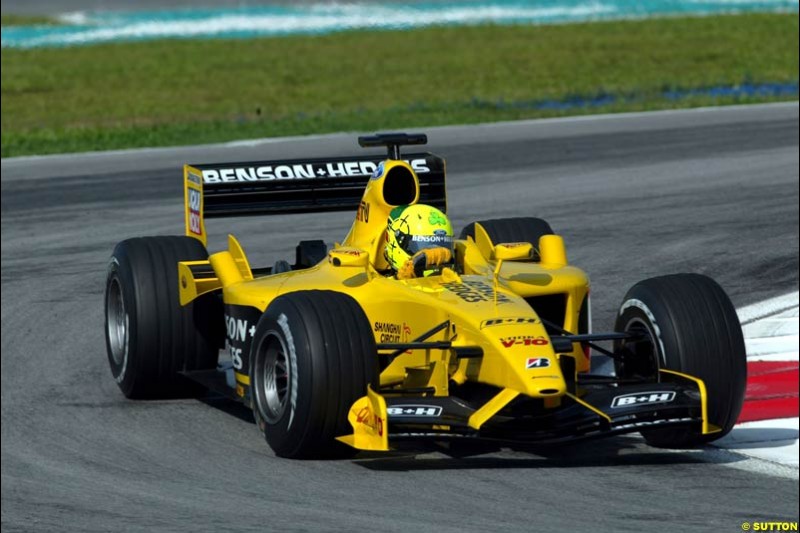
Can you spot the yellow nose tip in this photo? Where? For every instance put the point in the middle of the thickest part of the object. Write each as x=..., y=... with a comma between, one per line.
x=547, y=386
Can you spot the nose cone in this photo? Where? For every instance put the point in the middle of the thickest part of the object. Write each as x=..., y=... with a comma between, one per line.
x=524, y=349
x=542, y=376
x=547, y=385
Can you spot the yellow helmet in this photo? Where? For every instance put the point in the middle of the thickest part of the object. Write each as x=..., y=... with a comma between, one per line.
x=412, y=228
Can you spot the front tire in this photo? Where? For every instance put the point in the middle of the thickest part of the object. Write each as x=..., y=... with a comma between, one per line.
x=150, y=337
x=313, y=355
x=690, y=326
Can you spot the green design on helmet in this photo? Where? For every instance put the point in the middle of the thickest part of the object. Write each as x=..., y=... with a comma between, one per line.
x=437, y=218
x=412, y=228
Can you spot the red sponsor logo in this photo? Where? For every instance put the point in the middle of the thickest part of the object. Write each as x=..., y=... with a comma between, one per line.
x=537, y=362
x=194, y=212
x=371, y=420
x=349, y=251
x=524, y=340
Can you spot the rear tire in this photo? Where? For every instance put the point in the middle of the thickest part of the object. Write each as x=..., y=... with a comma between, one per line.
x=313, y=355
x=520, y=229
x=150, y=337
x=691, y=327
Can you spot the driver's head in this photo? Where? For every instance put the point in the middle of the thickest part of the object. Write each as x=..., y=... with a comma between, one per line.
x=412, y=228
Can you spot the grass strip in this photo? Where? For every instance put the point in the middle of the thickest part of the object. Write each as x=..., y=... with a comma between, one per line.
x=195, y=91
x=27, y=20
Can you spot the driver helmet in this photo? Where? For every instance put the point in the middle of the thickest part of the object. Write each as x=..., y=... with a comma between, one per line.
x=412, y=228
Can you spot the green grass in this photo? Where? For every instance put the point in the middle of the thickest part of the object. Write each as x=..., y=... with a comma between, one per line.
x=26, y=20
x=186, y=92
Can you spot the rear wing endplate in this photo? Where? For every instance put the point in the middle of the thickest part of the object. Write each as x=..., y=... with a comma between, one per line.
x=293, y=186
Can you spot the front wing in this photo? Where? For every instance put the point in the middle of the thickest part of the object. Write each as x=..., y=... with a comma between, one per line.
x=593, y=410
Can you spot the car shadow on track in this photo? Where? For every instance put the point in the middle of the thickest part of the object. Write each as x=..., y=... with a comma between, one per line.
x=760, y=437
x=229, y=407
x=618, y=452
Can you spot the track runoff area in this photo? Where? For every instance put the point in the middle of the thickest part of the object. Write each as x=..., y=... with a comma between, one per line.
x=768, y=426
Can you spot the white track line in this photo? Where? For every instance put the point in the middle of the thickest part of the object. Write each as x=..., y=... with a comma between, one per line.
x=766, y=446
x=773, y=336
x=769, y=440
x=769, y=308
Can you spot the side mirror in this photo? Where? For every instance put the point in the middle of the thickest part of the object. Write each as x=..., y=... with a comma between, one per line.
x=348, y=257
x=509, y=251
x=513, y=251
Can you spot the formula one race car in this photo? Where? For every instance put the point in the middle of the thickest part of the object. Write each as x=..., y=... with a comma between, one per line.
x=335, y=350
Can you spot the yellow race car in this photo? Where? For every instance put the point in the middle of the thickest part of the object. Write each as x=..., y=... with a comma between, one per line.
x=337, y=352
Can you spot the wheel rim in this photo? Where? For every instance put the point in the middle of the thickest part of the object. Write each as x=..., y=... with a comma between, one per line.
x=272, y=375
x=644, y=359
x=116, y=322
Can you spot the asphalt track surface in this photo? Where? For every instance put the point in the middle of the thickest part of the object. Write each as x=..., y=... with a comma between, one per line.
x=711, y=191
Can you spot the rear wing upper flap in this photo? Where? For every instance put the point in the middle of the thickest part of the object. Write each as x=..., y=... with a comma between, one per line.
x=294, y=186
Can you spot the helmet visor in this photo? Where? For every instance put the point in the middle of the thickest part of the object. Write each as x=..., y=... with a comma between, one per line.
x=414, y=243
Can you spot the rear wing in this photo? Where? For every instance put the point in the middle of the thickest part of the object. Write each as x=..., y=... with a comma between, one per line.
x=294, y=186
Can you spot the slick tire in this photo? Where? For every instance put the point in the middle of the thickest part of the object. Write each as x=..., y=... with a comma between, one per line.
x=313, y=355
x=692, y=327
x=520, y=229
x=150, y=337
